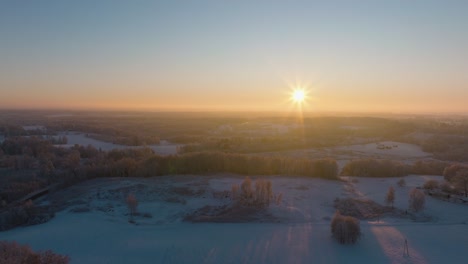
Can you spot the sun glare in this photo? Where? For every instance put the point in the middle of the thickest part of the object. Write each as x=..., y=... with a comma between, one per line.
x=298, y=95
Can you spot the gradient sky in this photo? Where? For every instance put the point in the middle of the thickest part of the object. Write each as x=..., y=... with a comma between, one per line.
x=391, y=56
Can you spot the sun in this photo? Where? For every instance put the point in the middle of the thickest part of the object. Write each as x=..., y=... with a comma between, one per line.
x=298, y=96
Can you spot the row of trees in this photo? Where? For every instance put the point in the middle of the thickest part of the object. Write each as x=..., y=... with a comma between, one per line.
x=218, y=162
x=393, y=168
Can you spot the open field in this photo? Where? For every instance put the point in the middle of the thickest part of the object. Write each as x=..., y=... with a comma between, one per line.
x=296, y=231
x=191, y=218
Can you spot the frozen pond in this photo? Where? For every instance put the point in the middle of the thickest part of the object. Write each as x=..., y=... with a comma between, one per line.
x=164, y=148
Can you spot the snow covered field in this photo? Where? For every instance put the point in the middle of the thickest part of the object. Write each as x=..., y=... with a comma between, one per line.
x=297, y=232
x=387, y=149
x=164, y=148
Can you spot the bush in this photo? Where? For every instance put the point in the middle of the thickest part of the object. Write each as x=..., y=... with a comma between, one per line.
x=132, y=204
x=13, y=253
x=416, y=200
x=390, y=197
x=345, y=229
x=259, y=197
x=446, y=187
x=26, y=214
x=431, y=185
x=401, y=182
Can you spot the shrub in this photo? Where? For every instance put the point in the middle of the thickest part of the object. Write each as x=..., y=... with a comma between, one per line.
x=13, y=253
x=234, y=192
x=345, y=229
x=401, y=182
x=26, y=214
x=260, y=196
x=132, y=204
x=416, y=200
x=431, y=185
x=279, y=198
x=390, y=197
x=446, y=187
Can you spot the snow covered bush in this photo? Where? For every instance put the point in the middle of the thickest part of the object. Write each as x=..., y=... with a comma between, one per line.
x=345, y=229
x=446, y=187
x=390, y=197
x=431, y=185
x=132, y=204
x=260, y=196
x=416, y=200
x=13, y=253
x=401, y=182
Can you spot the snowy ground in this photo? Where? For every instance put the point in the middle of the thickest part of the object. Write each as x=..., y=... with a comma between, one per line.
x=391, y=150
x=164, y=148
x=386, y=149
x=301, y=233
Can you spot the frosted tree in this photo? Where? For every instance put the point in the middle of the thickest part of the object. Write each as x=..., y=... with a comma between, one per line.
x=416, y=200
x=390, y=197
x=132, y=204
x=461, y=180
x=345, y=229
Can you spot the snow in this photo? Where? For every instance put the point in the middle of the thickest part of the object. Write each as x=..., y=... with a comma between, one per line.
x=34, y=127
x=302, y=236
x=164, y=148
x=394, y=149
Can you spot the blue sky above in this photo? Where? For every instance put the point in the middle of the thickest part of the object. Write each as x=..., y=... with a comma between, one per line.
x=240, y=54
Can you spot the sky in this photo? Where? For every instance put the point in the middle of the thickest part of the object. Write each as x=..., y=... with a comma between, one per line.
x=350, y=56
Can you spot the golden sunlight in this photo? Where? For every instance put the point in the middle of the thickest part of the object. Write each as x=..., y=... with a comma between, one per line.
x=298, y=96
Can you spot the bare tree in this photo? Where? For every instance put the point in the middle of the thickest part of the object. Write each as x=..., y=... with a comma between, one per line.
x=416, y=200
x=261, y=196
x=132, y=204
x=461, y=180
x=390, y=198
x=234, y=192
